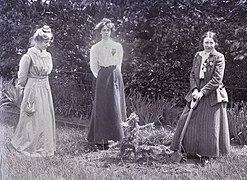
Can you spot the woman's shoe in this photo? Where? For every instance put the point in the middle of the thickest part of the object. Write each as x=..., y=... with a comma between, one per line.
x=106, y=146
x=204, y=161
x=102, y=146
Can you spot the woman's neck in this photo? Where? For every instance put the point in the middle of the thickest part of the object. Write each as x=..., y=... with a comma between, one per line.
x=37, y=47
x=106, y=40
x=211, y=51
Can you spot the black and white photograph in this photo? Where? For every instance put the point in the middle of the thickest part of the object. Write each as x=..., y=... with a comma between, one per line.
x=123, y=89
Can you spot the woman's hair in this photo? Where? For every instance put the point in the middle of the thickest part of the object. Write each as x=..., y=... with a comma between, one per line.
x=210, y=34
x=104, y=22
x=41, y=35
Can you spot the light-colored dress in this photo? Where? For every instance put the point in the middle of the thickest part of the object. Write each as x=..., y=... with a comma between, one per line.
x=109, y=109
x=35, y=133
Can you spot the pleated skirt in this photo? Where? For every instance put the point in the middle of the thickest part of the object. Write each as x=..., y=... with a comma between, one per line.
x=207, y=133
x=109, y=107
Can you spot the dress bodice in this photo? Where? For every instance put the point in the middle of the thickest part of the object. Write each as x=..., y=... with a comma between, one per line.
x=35, y=64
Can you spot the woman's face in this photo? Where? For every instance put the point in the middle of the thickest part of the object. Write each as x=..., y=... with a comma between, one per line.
x=105, y=32
x=208, y=44
x=44, y=44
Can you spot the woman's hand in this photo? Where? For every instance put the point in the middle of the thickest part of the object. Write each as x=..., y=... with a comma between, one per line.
x=197, y=95
x=194, y=93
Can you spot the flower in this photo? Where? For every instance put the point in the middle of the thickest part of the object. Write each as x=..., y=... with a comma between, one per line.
x=210, y=61
x=113, y=51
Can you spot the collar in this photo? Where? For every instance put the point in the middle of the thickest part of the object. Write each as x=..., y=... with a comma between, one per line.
x=36, y=51
x=204, y=53
x=108, y=42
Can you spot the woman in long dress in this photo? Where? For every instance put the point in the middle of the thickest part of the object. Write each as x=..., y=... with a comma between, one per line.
x=207, y=134
x=109, y=108
x=35, y=133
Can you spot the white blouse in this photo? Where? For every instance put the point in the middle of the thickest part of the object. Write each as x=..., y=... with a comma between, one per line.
x=105, y=53
x=203, y=69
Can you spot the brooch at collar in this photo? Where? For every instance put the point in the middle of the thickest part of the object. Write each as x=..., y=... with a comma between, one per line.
x=113, y=51
x=208, y=63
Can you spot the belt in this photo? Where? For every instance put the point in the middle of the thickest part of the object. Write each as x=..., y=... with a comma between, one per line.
x=38, y=77
x=111, y=66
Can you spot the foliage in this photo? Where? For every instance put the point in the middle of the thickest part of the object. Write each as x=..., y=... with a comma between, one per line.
x=145, y=141
x=167, y=35
x=159, y=38
x=68, y=164
x=72, y=99
x=237, y=116
x=1, y=89
x=160, y=110
x=11, y=94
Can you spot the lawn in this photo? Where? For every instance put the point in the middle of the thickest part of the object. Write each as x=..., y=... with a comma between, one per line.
x=72, y=161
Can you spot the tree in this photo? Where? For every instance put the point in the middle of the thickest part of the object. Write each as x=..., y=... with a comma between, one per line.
x=159, y=38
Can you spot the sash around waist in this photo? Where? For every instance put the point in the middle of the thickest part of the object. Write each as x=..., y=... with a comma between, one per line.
x=111, y=67
x=38, y=77
x=37, y=81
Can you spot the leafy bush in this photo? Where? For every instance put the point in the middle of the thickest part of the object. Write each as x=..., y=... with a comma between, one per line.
x=72, y=95
x=144, y=140
x=237, y=117
x=10, y=94
x=159, y=38
x=160, y=110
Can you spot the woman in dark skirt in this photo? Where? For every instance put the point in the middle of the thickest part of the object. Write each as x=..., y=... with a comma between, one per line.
x=207, y=134
x=109, y=109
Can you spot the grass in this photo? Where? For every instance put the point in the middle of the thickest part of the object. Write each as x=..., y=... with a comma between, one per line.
x=237, y=116
x=150, y=110
x=73, y=162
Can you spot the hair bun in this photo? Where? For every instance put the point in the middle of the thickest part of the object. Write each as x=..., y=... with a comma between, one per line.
x=41, y=34
x=104, y=22
x=46, y=29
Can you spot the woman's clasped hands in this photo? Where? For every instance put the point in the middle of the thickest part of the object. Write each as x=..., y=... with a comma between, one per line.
x=197, y=94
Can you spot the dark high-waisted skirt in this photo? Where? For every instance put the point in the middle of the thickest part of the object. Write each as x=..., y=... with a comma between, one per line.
x=207, y=133
x=109, y=108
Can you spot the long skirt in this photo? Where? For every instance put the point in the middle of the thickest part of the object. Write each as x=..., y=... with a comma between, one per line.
x=35, y=133
x=207, y=133
x=109, y=108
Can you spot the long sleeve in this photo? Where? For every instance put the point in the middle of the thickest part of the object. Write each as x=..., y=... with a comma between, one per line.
x=94, y=65
x=119, y=56
x=193, y=84
x=50, y=63
x=24, y=66
x=217, y=76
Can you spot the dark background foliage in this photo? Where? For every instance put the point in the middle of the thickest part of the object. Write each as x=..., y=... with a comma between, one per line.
x=159, y=38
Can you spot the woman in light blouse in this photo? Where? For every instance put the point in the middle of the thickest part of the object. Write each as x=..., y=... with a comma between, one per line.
x=109, y=108
x=207, y=134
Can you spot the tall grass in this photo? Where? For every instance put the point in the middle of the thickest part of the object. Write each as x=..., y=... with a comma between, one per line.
x=237, y=117
x=149, y=110
x=11, y=94
x=106, y=165
x=1, y=89
x=166, y=112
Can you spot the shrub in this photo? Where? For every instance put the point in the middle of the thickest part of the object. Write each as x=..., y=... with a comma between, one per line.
x=144, y=140
x=149, y=110
x=72, y=98
x=10, y=93
x=237, y=117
